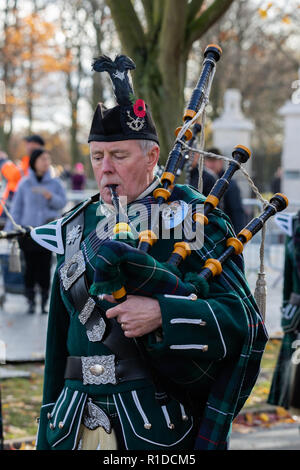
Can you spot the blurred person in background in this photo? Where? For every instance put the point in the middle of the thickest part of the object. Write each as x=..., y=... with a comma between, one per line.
x=32, y=142
x=39, y=199
x=10, y=176
x=78, y=177
x=208, y=177
x=66, y=175
x=276, y=181
x=231, y=202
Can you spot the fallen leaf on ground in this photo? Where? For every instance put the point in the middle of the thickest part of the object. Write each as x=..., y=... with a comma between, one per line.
x=264, y=417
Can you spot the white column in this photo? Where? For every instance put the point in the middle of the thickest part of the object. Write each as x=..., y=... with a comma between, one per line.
x=290, y=159
x=231, y=129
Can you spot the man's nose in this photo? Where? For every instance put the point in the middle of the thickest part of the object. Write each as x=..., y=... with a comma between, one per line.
x=107, y=164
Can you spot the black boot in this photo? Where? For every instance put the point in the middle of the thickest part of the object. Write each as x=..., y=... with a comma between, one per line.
x=30, y=295
x=44, y=296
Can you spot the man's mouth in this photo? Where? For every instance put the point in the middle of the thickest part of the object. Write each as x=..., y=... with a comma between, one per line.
x=111, y=185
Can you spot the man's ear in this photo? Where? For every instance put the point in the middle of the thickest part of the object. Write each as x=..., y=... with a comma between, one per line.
x=153, y=156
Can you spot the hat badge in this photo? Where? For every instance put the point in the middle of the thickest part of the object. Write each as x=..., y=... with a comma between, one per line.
x=139, y=109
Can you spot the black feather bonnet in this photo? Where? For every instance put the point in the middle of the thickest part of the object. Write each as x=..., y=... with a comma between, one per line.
x=131, y=117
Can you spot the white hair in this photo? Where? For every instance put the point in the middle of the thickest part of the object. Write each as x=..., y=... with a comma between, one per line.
x=146, y=145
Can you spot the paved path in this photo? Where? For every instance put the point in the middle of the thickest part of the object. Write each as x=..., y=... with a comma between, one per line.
x=22, y=336
x=278, y=437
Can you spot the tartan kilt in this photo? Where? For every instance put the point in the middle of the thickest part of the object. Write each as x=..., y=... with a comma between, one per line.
x=280, y=387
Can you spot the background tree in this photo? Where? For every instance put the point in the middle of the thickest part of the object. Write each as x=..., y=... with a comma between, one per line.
x=82, y=25
x=158, y=36
x=8, y=53
x=261, y=60
x=28, y=58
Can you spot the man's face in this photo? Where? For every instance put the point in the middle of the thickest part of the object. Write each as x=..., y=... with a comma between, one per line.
x=214, y=164
x=123, y=164
x=30, y=146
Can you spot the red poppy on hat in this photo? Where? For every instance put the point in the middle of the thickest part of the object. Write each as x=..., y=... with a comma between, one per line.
x=139, y=108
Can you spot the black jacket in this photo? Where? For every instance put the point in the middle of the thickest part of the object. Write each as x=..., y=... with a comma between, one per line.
x=231, y=203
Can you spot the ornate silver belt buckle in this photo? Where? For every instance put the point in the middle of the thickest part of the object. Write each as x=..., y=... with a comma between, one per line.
x=72, y=269
x=98, y=370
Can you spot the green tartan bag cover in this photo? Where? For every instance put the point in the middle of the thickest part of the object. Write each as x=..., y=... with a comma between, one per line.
x=290, y=319
x=121, y=265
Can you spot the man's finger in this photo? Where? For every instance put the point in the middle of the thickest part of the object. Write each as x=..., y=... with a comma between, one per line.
x=113, y=312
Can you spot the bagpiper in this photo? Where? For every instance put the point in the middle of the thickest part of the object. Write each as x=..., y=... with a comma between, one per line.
x=151, y=369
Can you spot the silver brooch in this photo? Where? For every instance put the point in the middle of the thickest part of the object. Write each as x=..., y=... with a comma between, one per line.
x=72, y=269
x=135, y=124
x=97, y=331
x=87, y=310
x=94, y=417
x=73, y=234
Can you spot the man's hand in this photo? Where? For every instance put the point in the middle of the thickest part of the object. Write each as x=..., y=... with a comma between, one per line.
x=137, y=315
x=47, y=194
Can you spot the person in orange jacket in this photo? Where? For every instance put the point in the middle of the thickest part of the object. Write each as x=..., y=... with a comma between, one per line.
x=11, y=175
x=32, y=142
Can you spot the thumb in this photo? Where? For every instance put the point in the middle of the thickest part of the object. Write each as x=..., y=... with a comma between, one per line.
x=109, y=298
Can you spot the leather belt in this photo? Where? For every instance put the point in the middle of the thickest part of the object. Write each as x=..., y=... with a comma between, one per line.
x=99, y=370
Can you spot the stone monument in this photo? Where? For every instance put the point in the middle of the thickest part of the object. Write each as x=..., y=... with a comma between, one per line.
x=231, y=129
x=290, y=158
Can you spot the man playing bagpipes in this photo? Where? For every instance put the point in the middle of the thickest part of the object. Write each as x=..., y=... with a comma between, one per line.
x=143, y=353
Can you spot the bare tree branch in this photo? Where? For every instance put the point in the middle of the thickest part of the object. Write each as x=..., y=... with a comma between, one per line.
x=193, y=8
x=148, y=9
x=128, y=24
x=201, y=24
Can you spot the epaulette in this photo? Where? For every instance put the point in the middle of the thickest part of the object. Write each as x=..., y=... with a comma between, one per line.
x=49, y=235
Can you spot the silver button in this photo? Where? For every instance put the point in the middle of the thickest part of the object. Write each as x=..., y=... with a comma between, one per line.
x=97, y=369
x=193, y=297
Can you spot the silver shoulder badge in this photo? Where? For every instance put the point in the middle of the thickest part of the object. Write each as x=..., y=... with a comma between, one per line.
x=174, y=213
x=73, y=234
x=49, y=236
